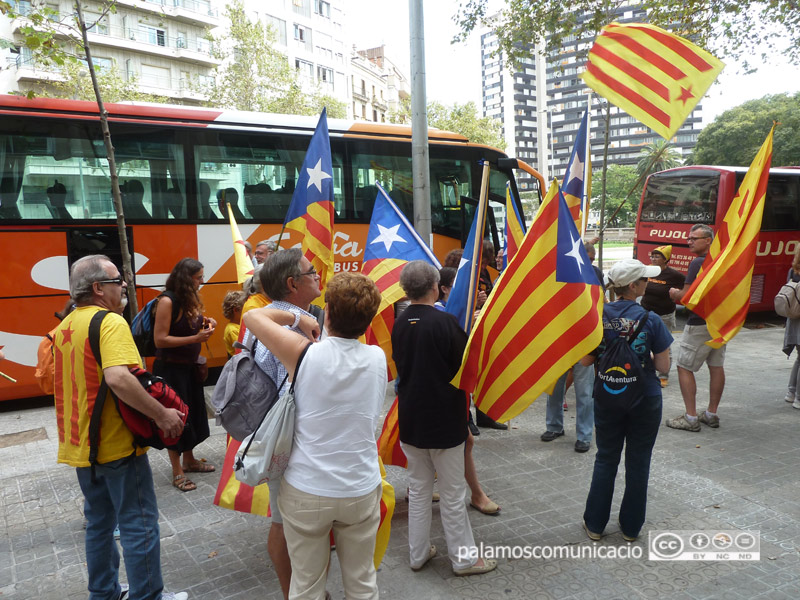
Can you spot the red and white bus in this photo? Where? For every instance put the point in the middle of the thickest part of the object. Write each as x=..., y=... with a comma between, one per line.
x=55, y=199
x=674, y=200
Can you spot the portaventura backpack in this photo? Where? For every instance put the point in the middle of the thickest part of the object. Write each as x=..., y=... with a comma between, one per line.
x=619, y=377
x=787, y=300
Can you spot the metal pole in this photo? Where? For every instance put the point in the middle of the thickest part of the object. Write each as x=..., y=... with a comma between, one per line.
x=419, y=124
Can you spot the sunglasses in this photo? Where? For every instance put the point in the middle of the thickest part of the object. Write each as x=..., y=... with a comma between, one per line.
x=118, y=281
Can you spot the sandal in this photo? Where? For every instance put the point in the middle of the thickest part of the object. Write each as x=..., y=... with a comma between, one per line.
x=183, y=483
x=200, y=466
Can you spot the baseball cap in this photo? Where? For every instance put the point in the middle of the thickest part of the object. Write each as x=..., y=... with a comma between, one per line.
x=665, y=251
x=629, y=270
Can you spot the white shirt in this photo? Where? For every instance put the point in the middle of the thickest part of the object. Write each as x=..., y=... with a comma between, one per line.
x=339, y=395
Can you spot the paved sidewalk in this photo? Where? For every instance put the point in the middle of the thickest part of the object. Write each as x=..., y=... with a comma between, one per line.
x=743, y=475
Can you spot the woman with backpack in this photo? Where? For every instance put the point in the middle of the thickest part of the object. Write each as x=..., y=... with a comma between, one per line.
x=180, y=330
x=627, y=399
x=791, y=336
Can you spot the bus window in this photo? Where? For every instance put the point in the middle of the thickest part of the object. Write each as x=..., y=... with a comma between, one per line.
x=781, y=209
x=47, y=177
x=262, y=169
x=681, y=197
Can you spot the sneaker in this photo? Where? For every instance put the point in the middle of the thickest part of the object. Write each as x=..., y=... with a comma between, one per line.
x=596, y=537
x=116, y=532
x=174, y=596
x=703, y=417
x=582, y=446
x=549, y=436
x=796, y=404
x=790, y=397
x=489, y=564
x=664, y=381
x=683, y=423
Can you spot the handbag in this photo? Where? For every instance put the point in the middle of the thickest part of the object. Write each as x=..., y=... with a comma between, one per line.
x=267, y=450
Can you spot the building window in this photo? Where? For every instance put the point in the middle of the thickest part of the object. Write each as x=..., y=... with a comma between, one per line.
x=98, y=25
x=299, y=32
x=305, y=68
x=374, y=116
x=324, y=74
x=322, y=8
x=153, y=35
x=280, y=28
x=302, y=7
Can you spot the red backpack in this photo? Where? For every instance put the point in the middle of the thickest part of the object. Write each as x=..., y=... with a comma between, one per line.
x=145, y=431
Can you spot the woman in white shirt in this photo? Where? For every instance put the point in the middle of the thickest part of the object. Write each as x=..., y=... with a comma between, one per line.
x=333, y=479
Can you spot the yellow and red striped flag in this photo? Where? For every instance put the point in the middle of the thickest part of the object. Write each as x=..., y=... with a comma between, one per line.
x=389, y=449
x=385, y=525
x=651, y=74
x=391, y=243
x=721, y=292
x=543, y=315
x=244, y=266
x=515, y=228
x=311, y=212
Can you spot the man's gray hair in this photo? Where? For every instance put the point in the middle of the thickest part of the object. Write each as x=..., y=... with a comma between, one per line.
x=707, y=231
x=277, y=270
x=268, y=244
x=84, y=272
x=418, y=278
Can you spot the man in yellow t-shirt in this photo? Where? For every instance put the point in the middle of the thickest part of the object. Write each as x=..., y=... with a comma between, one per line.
x=121, y=489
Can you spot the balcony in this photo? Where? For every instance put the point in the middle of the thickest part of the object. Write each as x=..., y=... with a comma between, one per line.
x=193, y=12
x=157, y=42
x=379, y=103
x=27, y=71
x=360, y=94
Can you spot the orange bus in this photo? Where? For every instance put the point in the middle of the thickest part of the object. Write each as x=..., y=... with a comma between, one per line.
x=55, y=199
x=674, y=200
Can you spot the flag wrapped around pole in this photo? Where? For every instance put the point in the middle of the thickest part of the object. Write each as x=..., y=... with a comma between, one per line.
x=389, y=449
x=461, y=303
x=391, y=243
x=655, y=76
x=244, y=266
x=311, y=212
x=385, y=525
x=543, y=315
x=576, y=180
x=721, y=292
x=515, y=228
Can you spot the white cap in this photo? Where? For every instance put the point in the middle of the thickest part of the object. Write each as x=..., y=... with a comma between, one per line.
x=629, y=270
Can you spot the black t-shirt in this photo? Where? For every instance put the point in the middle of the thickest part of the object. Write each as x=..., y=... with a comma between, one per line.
x=691, y=275
x=427, y=348
x=656, y=296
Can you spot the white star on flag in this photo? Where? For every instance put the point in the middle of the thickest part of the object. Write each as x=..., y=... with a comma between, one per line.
x=388, y=236
x=317, y=175
x=576, y=170
x=576, y=252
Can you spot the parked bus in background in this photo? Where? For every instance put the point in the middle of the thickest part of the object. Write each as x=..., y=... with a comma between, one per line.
x=177, y=166
x=674, y=200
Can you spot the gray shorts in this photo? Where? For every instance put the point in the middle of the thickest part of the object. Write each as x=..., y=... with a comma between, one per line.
x=274, y=494
x=693, y=350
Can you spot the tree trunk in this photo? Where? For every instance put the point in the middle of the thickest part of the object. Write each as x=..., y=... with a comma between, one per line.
x=127, y=269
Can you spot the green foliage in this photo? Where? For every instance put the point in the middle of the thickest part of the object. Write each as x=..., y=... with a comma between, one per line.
x=255, y=76
x=464, y=119
x=658, y=156
x=619, y=181
x=735, y=136
x=740, y=29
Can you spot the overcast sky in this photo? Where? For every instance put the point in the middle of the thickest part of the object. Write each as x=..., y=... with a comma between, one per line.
x=454, y=71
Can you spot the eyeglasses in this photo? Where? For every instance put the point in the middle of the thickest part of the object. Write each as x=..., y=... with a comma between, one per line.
x=693, y=239
x=118, y=281
x=312, y=272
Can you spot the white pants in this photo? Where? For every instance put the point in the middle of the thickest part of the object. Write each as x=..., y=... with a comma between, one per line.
x=448, y=466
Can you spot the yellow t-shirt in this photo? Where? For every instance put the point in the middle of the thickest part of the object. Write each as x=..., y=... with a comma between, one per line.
x=231, y=335
x=77, y=380
x=255, y=301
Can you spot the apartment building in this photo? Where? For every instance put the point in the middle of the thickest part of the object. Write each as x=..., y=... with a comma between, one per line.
x=160, y=43
x=541, y=105
x=378, y=85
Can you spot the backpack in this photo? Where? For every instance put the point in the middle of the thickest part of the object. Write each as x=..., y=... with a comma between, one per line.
x=787, y=300
x=45, y=365
x=145, y=431
x=244, y=393
x=619, y=376
x=143, y=325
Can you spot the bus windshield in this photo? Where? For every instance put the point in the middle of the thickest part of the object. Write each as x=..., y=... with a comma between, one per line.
x=686, y=196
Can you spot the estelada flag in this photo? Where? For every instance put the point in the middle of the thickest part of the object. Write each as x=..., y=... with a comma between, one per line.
x=391, y=243
x=576, y=186
x=721, y=292
x=515, y=227
x=651, y=74
x=389, y=449
x=244, y=266
x=543, y=315
x=311, y=212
